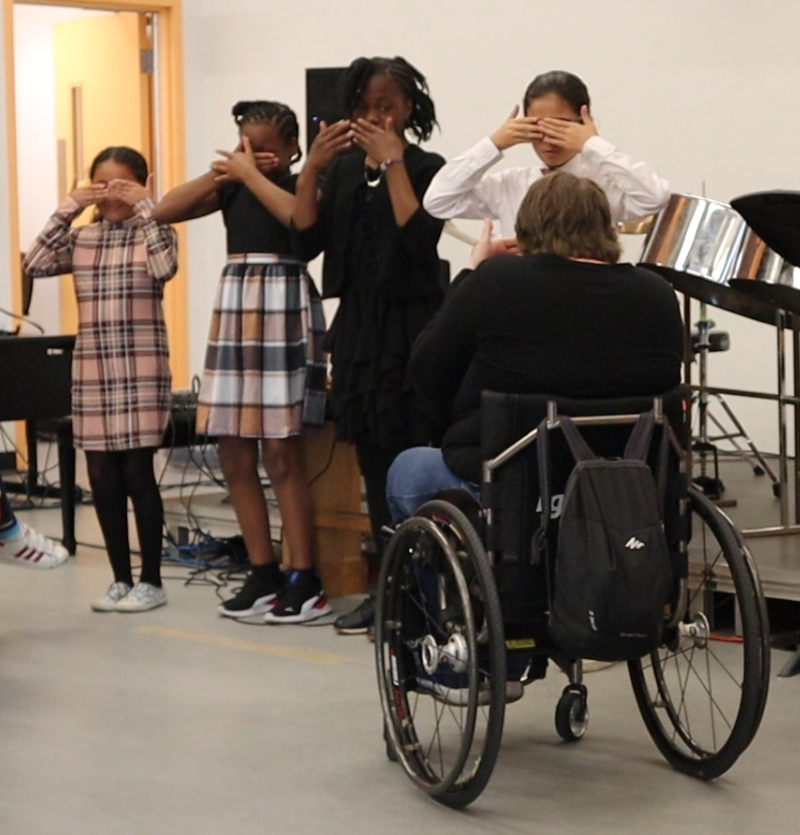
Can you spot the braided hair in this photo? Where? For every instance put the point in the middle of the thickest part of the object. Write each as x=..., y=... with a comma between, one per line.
x=563, y=84
x=274, y=113
x=410, y=80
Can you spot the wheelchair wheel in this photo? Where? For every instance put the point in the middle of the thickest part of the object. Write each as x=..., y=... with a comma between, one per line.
x=702, y=693
x=440, y=654
x=572, y=713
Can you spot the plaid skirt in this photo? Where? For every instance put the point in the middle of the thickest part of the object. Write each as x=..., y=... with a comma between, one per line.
x=265, y=370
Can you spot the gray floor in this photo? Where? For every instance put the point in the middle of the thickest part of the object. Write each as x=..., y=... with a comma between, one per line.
x=179, y=721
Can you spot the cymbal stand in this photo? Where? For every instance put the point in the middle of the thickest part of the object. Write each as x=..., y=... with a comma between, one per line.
x=712, y=486
x=706, y=444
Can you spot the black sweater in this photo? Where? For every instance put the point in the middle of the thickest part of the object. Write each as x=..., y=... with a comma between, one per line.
x=407, y=262
x=542, y=324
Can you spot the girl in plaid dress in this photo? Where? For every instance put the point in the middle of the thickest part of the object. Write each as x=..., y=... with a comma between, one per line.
x=120, y=373
x=264, y=377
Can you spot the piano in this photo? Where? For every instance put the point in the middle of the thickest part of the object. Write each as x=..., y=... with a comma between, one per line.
x=35, y=385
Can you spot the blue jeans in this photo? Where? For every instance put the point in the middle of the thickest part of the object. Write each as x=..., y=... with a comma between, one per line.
x=418, y=475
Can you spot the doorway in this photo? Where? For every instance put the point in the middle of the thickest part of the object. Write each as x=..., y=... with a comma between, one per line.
x=83, y=78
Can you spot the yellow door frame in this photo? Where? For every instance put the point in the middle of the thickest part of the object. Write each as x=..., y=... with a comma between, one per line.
x=171, y=144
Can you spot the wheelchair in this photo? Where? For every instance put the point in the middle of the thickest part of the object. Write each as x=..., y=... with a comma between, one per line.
x=462, y=600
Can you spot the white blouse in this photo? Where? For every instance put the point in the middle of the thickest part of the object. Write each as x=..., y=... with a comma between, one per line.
x=462, y=188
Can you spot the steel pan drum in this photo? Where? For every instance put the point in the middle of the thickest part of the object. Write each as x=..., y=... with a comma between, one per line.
x=762, y=274
x=775, y=217
x=695, y=244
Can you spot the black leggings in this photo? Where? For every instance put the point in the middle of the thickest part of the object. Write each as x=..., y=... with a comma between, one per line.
x=114, y=477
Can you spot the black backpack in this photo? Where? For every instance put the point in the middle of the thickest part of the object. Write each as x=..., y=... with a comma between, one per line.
x=612, y=576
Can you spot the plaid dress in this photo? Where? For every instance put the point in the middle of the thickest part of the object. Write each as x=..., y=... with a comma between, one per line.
x=120, y=372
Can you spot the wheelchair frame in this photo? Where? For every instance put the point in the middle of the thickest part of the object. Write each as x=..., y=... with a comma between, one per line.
x=464, y=638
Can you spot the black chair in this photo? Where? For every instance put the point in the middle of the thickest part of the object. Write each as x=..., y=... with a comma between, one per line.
x=462, y=610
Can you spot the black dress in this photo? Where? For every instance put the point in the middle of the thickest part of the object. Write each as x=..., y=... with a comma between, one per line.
x=388, y=281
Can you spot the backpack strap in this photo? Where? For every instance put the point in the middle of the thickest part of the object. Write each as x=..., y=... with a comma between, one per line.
x=581, y=451
x=638, y=445
x=638, y=448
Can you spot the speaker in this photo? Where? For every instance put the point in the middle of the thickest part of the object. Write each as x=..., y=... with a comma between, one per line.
x=323, y=99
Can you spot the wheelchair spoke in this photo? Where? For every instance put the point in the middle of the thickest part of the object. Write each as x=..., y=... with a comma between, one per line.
x=433, y=596
x=702, y=695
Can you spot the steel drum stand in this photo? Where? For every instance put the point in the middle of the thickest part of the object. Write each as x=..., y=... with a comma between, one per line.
x=705, y=444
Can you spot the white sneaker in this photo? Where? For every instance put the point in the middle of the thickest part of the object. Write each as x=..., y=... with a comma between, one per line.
x=108, y=601
x=32, y=549
x=141, y=598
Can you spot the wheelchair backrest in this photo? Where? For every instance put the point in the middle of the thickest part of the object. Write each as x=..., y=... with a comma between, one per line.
x=514, y=496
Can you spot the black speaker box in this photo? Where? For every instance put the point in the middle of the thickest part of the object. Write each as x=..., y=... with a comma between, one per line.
x=323, y=99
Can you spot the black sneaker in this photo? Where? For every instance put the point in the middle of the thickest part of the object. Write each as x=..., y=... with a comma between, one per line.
x=301, y=600
x=258, y=594
x=359, y=620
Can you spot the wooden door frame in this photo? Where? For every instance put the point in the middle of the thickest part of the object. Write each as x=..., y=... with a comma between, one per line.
x=171, y=143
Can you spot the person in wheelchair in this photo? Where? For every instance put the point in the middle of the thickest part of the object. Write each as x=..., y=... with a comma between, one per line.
x=463, y=618
x=562, y=317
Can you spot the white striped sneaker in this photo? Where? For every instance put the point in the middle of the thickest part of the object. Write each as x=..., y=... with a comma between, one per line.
x=32, y=549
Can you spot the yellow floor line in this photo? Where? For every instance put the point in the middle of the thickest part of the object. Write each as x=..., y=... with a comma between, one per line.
x=248, y=646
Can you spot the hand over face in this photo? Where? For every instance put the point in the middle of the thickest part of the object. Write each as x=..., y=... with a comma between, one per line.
x=89, y=195
x=517, y=130
x=569, y=135
x=129, y=191
x=330, y=141
x=237, y=164
x=380, y=143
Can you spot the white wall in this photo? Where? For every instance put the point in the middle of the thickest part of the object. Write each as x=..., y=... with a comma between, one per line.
x=34, y=80
x=701, y=89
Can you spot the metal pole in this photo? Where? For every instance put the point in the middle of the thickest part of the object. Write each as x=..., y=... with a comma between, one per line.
x=795, y=392
x=783, y=463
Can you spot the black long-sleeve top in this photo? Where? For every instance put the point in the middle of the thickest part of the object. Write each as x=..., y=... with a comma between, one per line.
x=406, y=262
x=542, y=324
x=387, y=279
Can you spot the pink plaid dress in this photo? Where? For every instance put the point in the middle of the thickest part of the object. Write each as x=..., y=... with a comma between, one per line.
x=120, y=372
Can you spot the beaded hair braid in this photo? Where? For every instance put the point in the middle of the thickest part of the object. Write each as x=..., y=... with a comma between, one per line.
x=411, y=81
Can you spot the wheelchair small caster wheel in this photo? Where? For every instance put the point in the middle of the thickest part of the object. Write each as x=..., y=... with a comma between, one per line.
x=776, y=489
x=391, y=754
x=572, y=714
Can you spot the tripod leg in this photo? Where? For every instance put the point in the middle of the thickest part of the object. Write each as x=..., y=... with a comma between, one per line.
x=752, y=462
x=743, y=434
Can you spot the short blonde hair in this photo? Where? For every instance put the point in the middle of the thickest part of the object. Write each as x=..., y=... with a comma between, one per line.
x=568, y=216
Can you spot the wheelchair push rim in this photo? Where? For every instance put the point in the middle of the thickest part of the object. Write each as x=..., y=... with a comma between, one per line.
x=702, y=693
x=440, y=654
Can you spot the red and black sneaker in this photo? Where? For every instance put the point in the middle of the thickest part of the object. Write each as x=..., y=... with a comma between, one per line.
x=258, y=594
x=301, y=600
